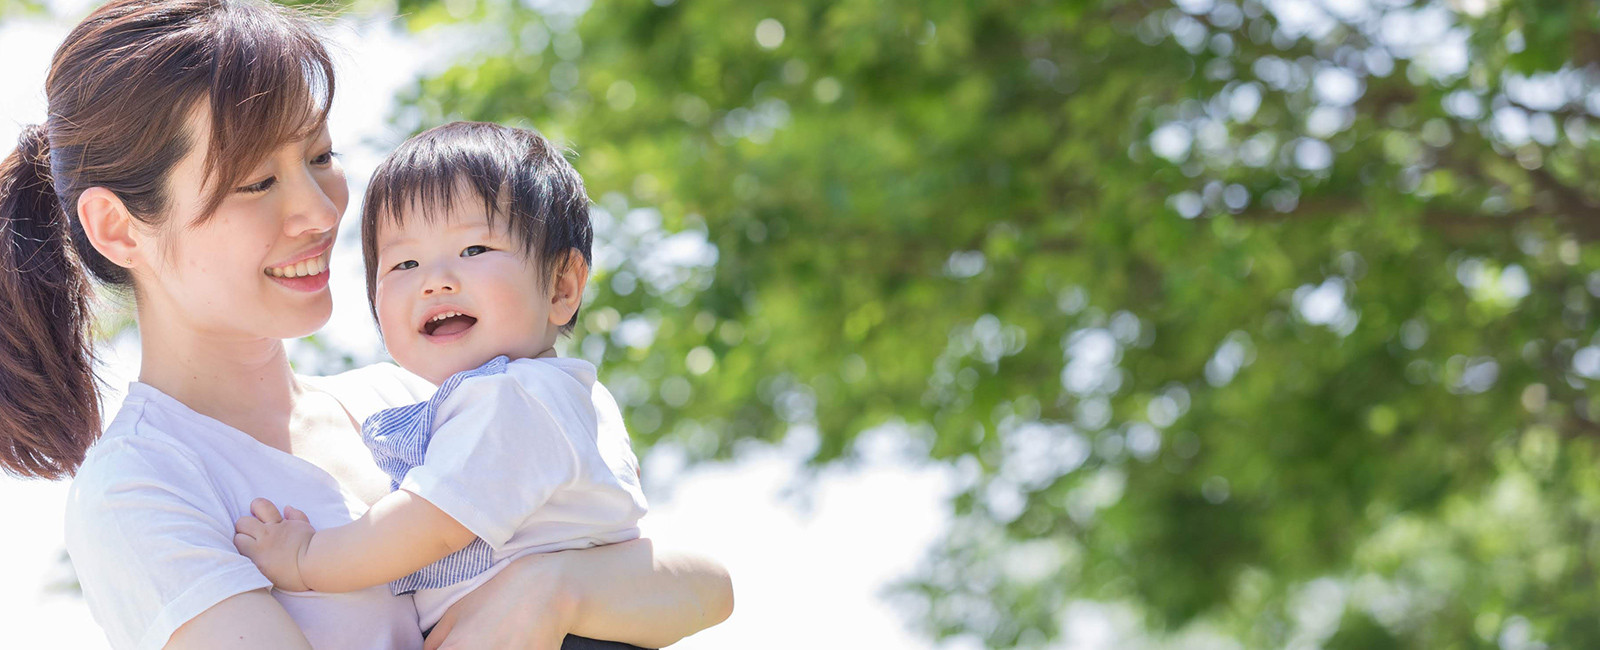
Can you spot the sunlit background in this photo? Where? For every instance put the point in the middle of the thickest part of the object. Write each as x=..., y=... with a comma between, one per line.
x=1101, y=324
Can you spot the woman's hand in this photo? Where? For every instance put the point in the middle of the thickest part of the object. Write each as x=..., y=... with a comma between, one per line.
x=525, y=606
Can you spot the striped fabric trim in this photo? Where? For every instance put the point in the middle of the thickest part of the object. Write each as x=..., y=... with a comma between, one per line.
x=398, y=439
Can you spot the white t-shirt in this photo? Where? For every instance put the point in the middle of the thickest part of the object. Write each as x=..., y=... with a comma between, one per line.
x=532, y=460
x=149, y=521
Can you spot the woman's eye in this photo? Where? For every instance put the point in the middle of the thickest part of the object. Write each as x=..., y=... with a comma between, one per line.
x=324, y=159
x=260, y=187
x=408, y=264
x=474, y=250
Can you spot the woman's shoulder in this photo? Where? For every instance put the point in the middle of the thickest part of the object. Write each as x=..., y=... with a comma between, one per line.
x=140, y=464
x=368, y=389
x=140, y=443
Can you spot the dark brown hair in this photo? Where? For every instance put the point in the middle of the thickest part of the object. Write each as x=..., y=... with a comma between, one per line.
x=517, y=174
x=121, y=90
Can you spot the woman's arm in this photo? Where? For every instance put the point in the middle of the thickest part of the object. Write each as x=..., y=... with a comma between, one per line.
x=629, y=592
x=636, y=593
x=252, y=620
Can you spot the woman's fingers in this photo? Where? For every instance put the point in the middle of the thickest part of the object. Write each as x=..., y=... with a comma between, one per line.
x=265, y=511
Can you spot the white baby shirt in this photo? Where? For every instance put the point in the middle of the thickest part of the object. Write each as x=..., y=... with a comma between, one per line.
x=530, y=455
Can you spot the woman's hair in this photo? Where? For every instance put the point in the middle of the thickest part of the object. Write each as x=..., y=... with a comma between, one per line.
x=121, y=89
x=517, y=174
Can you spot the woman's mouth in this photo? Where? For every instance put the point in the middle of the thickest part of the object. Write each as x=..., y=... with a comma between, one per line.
x=308, y=276
x=304, y=268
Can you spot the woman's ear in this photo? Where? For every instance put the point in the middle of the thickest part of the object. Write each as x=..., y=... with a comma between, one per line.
x=567, y=293
x=110, y=228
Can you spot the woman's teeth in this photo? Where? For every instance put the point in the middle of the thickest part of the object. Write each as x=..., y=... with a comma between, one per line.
x=312, y=266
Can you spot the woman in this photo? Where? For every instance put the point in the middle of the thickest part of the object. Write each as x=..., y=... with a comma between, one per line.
x=186, y=160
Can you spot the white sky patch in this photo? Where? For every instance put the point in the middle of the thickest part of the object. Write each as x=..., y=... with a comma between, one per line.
x=1171, y=141
x=1326, y=304
x=1337, y=86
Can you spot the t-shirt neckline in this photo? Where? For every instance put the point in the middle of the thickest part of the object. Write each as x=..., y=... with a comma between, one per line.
x=152, y=394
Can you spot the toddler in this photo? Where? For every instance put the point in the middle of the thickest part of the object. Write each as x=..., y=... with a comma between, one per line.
x=476, y=239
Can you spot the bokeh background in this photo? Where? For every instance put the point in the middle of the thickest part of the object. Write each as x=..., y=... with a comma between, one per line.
x=1025, y=324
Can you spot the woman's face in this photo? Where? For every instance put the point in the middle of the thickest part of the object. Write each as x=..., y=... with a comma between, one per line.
x=258, y=266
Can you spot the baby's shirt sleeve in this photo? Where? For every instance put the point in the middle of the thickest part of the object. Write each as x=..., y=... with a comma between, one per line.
x=495, y=456
x=152, y=543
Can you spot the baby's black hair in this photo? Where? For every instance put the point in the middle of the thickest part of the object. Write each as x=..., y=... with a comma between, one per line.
x=517, y=174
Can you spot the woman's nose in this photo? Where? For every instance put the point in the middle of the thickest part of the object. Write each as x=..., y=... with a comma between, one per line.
x=311, y=209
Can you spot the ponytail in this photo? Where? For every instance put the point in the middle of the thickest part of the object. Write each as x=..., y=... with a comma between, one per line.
x=49, y=409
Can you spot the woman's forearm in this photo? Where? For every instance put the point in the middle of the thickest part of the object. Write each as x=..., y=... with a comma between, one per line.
x=636, y=593
x=628, y=592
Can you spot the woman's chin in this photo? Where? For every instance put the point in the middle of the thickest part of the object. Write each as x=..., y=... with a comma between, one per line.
x=301, y=322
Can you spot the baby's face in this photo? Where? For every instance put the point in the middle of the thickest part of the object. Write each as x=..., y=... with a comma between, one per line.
x=454, y=293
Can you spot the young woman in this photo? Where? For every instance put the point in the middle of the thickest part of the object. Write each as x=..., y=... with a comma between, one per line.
x=186, y=161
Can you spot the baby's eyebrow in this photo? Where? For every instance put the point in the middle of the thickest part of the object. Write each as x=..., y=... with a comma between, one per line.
x=393, y=243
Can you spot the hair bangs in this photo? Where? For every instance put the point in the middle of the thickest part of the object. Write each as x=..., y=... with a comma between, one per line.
x=271, y=84
x=428, y=180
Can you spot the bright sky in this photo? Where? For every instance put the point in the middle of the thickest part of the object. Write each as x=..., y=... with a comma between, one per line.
x=803, y=575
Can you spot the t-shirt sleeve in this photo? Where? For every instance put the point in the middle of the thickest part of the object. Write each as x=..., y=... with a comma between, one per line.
x=151, y=543
x=496, y=456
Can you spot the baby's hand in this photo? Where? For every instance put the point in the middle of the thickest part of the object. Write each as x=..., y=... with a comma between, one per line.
x=275, y=543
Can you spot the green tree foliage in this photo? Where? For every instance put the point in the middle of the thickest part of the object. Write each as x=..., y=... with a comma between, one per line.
x=1269, y=321
x=11, y=8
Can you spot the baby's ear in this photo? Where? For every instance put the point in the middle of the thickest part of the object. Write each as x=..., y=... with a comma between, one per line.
x=571, y=276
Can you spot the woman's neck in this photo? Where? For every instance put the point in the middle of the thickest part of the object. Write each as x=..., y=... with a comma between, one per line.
x=241, y=381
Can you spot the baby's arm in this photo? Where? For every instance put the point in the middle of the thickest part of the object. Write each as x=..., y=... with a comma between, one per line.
x=399, y=535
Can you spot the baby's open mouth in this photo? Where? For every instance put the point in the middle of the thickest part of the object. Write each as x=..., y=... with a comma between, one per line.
x=447, y=323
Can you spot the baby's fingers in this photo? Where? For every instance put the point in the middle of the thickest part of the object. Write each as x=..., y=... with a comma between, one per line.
x=245, y=544
x=250, y=526
x=290, y=513
x=265, y=511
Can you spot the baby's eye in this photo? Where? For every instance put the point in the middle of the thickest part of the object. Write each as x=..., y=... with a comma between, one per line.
x=408, y=264
x=474, y=250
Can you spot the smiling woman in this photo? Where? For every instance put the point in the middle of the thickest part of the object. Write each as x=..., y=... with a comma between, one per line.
x=187, y=161
x=269, y=77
